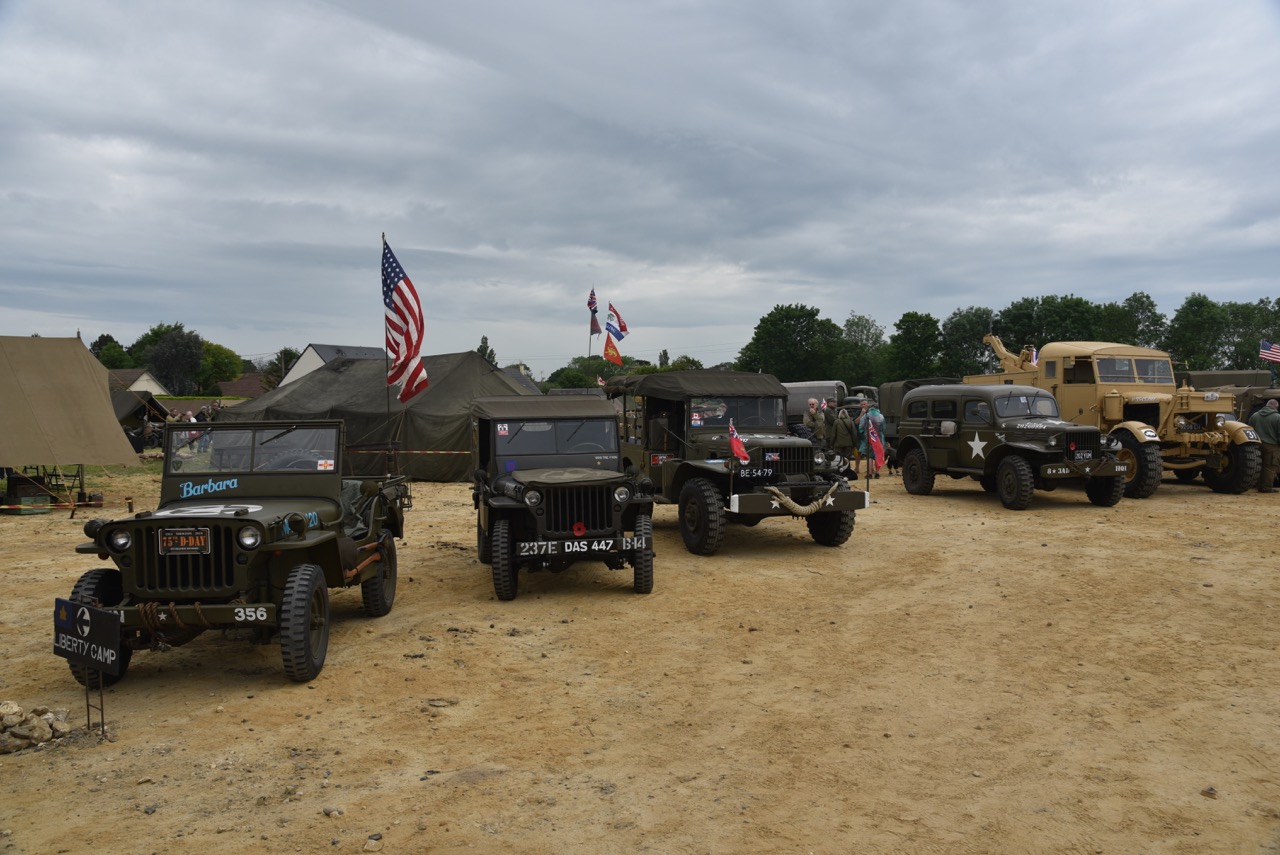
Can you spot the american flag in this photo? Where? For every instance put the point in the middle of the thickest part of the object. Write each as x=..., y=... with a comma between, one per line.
x=1268, y=351
x=404, y=327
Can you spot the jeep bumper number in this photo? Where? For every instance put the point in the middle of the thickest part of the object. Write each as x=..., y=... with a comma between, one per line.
x=1081, y=468
x=167, y=615
x=587, y=546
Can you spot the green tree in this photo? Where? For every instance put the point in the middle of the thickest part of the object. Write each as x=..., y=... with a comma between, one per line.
x=682, y=363
x=173, y=356
x=1068, y=318
x=663, y=359
x=582, y=371
x=487, y=352
x=962, y=350
x=793, y=343
x=914, y=348
x=1017, y=324
x=1198, y=334
x=1136, y=321
x=110, y=352
x=859, y=361
x=274, y=369
x=1247, y=325
x=218, y=365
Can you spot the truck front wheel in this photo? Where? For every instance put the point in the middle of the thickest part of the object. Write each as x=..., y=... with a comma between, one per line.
x=917, y=475
x=1145, y=466
x=1014, y=483
x=701, y=517
x=1241, y=472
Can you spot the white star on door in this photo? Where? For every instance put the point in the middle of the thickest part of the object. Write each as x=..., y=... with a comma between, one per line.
x=976, y=446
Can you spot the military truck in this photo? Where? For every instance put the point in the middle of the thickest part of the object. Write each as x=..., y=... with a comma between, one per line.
x=1130, y=393
x=1008, y=438
x=255, y=524
x=550, y=489
x=679, y=429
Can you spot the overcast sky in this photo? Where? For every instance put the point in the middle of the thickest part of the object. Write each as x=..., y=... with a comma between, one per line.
x=231, y=166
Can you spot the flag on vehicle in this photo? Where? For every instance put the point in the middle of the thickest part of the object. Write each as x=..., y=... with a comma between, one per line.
x=736, y=448
x=611, y=351
x=615, y=324
x=599, y=380
x=404, y=327
x=1268, y=351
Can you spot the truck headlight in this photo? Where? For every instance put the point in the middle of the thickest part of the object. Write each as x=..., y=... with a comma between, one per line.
x=249, y=537
x=1220, y=421
x=819, y=457
x=532, y=498
x=120, y=540
x=622, y=494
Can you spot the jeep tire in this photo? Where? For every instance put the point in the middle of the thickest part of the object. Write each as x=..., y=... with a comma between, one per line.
x=917, y=475
x=831, y=528
x=642, y=562
x=1105, y=491
x=506, y=570
x=304, y=623
x=378, y=592
x=1015, y=483
x=701, y=516
x=101, y=587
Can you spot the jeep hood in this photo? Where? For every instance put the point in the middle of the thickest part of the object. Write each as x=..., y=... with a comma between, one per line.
x=573, y=475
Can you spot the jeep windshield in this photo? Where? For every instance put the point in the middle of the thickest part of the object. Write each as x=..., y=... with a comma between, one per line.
x=542, y=437
x=265, y=449
x=745, y=412
x=1012, y=406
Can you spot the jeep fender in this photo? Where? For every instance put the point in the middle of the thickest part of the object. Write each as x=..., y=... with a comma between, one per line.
x=715, y=472
x=1141, y=431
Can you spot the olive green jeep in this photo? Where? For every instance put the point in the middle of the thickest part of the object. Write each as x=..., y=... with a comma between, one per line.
x=678, y=429
x=550, y=489
x=255, y=524
x=1008, y=438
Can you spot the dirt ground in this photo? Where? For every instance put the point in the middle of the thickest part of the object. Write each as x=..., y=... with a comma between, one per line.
x=956, y=679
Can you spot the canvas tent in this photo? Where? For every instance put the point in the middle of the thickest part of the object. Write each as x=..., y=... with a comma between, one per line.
x=56, y=411
x=432, y=431
x=134, y=408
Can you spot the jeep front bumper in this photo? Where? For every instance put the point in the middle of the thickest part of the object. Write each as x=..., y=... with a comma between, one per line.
x=1103, y=468
x=767, y=504
x=162, y=617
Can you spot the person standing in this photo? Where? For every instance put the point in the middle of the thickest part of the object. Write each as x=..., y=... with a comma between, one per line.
x=829, y=415
x=870, y=419
x=814, y=421
x=1266, y=422
x=844, y=437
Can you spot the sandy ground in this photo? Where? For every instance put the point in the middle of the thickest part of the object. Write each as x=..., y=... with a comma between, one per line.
x=956, y=679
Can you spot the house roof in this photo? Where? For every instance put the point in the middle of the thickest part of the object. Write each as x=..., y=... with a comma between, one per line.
x=123, y=378
x=523, y=379
x=247, y=385
x=329, y=352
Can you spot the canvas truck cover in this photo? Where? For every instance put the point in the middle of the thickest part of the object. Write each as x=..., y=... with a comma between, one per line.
x=549, y=407
x=57, y=410
x=678, y=385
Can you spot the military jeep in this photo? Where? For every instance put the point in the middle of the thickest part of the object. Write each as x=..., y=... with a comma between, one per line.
x=255, y=523
x=1008, y=438
x=550, y=490
x=678, y=428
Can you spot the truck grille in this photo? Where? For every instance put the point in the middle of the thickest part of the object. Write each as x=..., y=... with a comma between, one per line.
x=1084, y=440
x=589, y=507
x=791, y=460
x=180, y=576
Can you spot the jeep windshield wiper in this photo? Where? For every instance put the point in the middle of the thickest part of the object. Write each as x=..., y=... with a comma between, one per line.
x=284, y=432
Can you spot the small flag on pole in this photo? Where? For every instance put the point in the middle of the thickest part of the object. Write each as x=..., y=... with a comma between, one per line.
x=593, y=306
x=1268, y=351
x=611, y=351
x=736, y=446
x=615, y=324
x=599, y=380
x=404, y=327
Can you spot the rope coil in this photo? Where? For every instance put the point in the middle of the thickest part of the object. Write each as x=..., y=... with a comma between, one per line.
x=802, y=510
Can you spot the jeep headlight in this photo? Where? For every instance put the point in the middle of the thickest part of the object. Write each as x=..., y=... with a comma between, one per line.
x=120, y=540
x=532, y=498
x=622, y=494
x=249, y=537
x=1053, y=441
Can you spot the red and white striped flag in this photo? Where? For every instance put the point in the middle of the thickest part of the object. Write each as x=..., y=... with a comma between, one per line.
x=404, y=325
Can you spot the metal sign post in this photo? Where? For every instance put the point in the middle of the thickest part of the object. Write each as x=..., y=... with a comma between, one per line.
x=89, y=637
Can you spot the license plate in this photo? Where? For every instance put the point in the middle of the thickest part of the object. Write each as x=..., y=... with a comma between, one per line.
x=755, y=473
x=1082, y=455
x=184, y=541
x=581, y=547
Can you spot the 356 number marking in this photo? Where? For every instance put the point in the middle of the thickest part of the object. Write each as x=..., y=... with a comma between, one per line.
x=250, y=614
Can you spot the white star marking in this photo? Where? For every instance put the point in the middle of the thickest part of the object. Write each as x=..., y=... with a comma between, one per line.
x=976, y=447
x=774, y=503
x=830, y=501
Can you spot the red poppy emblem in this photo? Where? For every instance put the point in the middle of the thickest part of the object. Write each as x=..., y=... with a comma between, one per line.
x=579, y=529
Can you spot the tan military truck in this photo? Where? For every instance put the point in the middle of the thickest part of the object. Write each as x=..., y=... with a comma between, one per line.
x=1130, y=392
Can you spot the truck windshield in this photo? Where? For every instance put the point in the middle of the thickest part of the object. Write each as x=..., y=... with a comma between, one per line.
x=1124, y=369
x=571, y=436
x=745, y=412
x=1026, y=405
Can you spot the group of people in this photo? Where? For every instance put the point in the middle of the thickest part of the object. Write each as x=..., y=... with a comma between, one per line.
x=198, y=439
x=850, y=437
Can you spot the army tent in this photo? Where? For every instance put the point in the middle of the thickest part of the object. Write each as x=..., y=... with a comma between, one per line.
x=57, y=411
x=432, y=432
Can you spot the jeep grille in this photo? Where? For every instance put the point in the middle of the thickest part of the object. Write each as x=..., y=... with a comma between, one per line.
x=185, y=575
x=1084, y=440
x=590, y=506
x=792, y=460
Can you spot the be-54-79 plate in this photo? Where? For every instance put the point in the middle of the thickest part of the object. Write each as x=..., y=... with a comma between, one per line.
x=584, y=546
x=184, y=541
